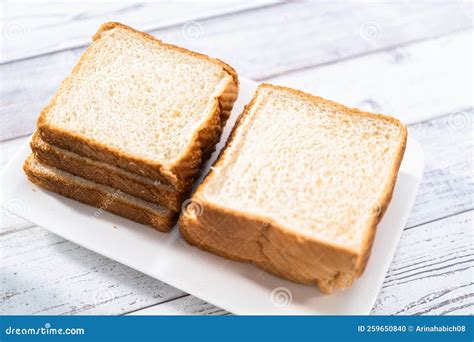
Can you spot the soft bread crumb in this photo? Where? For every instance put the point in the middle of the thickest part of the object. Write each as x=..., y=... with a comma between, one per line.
x=138, y=96
x=317, y=169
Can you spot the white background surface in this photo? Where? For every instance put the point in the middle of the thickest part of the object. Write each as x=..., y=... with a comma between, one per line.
x=408, y=59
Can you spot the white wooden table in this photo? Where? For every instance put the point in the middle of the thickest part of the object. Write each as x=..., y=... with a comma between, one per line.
x=410, y=60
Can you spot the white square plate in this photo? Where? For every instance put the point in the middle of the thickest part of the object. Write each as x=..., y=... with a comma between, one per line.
x=237, y=287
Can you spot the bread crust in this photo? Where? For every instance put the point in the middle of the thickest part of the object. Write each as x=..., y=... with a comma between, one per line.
x=110, y=175
x=246, y=237
x=100, y=199
x=180, y=174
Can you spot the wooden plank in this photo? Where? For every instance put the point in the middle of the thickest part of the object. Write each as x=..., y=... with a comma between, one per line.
x=29, y=90
x=42, y=273
x=432, y=270
x=186, y=305
x=269, y=41
x=32, y=29
x=413, y=83
x=447, y=187
x=10, y=222
x=259, y=48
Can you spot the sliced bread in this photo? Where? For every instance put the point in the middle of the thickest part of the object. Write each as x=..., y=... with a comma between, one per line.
x=299, y=188
x=100, y=196
x=99, y=172
x=148, y=107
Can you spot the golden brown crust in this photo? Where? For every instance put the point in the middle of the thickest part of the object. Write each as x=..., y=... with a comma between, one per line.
x=243, y=237
x=102, y=173
x=181, y=175
x=100, y=199
x=226, y=232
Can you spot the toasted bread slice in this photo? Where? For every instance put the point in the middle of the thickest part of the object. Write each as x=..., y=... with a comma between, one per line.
x=103, y=173
x=145, y=106
x=99, y=196
x=299, y=188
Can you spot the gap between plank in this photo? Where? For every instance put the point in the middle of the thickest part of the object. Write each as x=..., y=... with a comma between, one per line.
x=444, y=303
x=150, y=29
x=18, y=230
x=366, y=53
x=438, y=219
x=18, y=137
x=156, y=304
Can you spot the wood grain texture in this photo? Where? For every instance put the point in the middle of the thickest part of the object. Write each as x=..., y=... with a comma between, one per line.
x=432, y=270
x=414, y=82
x=32, y=29
x=447, y=187
x=270, y=41
x=396, y=73
x=260, y=48
x=186, y=305
x=42, y=273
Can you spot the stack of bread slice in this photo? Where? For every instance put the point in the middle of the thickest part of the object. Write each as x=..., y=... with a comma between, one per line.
x=129, y=128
